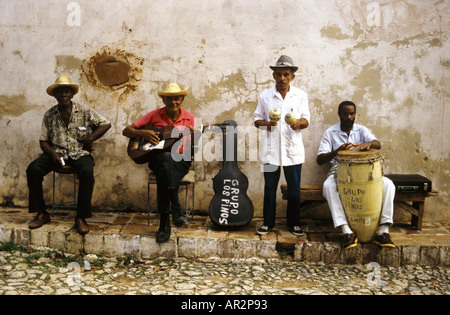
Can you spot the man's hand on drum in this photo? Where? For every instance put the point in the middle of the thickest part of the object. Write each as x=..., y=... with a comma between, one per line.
x=364, y=146
x=346, y=146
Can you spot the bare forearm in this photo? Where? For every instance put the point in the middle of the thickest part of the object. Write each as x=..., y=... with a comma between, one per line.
x=132, y=132
x=99, y=132
x=47, y=148
x=266, y=124
x=326, y=157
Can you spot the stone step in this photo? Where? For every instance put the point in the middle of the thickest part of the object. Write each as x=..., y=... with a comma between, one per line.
x=127, y=234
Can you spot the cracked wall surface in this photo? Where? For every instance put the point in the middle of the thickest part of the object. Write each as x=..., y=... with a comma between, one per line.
x=390, y=57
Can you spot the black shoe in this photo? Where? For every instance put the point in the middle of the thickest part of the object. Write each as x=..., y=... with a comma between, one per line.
x=384, y=240
x=263, y=230
x=163, y=233
x=349, y=241
x=297, y=230
x=179, y=219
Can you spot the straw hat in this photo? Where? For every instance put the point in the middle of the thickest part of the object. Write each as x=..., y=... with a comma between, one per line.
x=285, y=62
x=172, y=89
x=62, y=80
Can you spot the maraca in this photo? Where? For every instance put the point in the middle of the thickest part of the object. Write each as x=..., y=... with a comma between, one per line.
x=274, y=115
x=290, y=119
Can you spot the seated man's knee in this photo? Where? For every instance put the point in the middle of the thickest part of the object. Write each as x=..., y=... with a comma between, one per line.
x=388, y=183
x=33, y=168
x=330, y=184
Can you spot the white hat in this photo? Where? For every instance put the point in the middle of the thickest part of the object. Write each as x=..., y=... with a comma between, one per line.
x=172, y=89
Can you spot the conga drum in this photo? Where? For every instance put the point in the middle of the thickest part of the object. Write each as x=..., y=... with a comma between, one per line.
x=359, y=180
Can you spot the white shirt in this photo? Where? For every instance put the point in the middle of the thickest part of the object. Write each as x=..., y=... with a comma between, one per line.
x=334, y=137
x=283, y=146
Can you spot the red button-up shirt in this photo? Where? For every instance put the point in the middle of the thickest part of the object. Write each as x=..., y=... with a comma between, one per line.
x=158, y=118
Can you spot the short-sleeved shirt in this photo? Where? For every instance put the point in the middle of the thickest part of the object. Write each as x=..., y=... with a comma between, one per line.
x=334, y=137
x=158, y=118
x=283, y=145
x=68, y=140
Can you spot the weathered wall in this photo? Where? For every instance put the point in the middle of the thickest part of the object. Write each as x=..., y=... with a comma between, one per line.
x=390, y=57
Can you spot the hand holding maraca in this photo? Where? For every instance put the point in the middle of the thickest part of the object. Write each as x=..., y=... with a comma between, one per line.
x=290, y=119
x=295, y=123
x=274, y=116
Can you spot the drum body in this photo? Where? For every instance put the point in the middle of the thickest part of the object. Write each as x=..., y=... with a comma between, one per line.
x=359, y=180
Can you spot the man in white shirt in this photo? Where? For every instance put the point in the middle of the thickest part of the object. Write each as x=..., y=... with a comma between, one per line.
x=283, y=144
x=344, y=136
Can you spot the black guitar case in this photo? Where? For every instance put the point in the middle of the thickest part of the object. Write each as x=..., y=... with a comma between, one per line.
x=230, y=207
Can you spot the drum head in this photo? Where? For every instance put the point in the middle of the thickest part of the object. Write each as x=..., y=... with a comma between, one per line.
x=358, y=154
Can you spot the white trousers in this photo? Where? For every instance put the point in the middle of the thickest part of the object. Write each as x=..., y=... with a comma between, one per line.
x=331, y=194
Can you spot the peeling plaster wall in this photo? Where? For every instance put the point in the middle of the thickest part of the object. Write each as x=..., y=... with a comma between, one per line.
x=390, y=57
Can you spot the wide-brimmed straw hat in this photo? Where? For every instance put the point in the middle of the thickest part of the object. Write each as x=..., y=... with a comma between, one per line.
x=285, y=62
x=62, y=80
x=172, y=89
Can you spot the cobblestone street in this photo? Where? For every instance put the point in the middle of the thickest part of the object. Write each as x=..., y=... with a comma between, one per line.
x=48, y=272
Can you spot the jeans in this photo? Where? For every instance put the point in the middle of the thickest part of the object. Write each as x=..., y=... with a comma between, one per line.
x=44, y=165
x=292, y=174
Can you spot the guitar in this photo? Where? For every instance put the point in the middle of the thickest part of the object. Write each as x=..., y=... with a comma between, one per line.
x=141, y=151
x=230, y=206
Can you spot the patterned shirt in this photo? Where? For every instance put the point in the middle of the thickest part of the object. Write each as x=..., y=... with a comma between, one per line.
x=68, y=140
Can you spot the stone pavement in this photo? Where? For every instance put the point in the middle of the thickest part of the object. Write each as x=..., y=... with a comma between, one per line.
x=115, y=234
x=223, y=281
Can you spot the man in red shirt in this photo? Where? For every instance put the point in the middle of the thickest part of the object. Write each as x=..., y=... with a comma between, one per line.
x=168, y=171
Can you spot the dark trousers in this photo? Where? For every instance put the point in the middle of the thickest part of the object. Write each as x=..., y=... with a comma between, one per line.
x=292, y=175
x=168, y=177
x=43, y=165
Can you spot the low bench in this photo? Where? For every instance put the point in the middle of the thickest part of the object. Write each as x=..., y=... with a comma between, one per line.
x=414, y=202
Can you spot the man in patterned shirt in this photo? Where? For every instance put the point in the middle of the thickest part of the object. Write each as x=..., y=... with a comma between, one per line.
x=67, y=133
